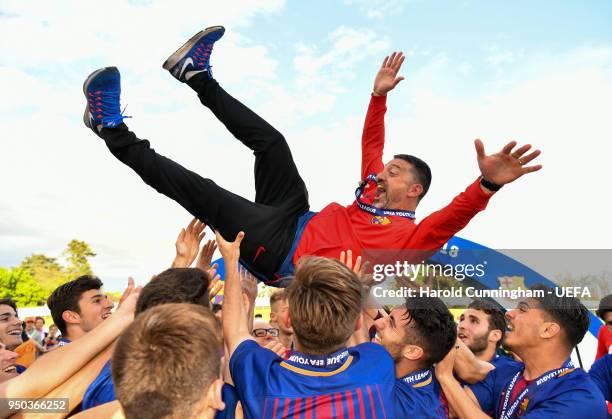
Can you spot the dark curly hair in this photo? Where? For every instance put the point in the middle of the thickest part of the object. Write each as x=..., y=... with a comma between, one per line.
x=436, y=331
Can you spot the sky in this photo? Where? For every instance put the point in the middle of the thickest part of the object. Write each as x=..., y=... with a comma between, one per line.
x=535, y=72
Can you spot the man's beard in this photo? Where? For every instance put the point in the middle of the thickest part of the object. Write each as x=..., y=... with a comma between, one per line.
x=479, y=344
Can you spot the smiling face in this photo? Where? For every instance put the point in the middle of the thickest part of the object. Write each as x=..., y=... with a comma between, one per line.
x=396, y=187
x=391, y=332
x=526, y=324
x=10, y=327
x=473, y=330
x=7, y=363
x=94, y=307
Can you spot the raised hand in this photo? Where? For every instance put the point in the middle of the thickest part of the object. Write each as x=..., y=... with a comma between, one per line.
x=206, y=254
x=229, y=250
x=506, y=166
x=188, y=243
x=249, y=284
x=386, y=78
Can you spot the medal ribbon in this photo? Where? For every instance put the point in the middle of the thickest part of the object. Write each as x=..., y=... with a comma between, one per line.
x=383, y=212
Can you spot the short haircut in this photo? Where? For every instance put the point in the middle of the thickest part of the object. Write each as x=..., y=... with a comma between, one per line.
x=278, y=296
x=571, y=315
x=605, y=306
x=165, y=360
x=436, y=331
x=497, y=318
x=175, y=285
x=67, y=296
x=8, y=301
x=420, y=170
x=39, y=318
x=216, y=308
x=325, y=301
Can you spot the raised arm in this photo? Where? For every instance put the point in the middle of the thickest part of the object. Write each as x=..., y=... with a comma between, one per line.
x=235, y=313
x=44, y=374
x=496, y=170
x=373, y=137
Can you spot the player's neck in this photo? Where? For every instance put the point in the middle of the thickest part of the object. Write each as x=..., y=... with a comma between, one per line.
x=539, y=360
x=405, y=367
x=286, y=339
x=487, y=355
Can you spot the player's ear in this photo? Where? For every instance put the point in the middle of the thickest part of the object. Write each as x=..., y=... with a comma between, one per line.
x=288, y=322
x=414, y=190
x=412, y=352
x=495, y=335
x=71, y=317
x=213, y=395
x=549, y=330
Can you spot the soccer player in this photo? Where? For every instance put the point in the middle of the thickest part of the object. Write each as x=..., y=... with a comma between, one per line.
x=601, y=373
x=482, y=327
x=322, y=378
x=542, y=331
x=54, y=369
x=175, y=285
x=418, y=334
x=281, y=228
x=166, y=365
x=79, y=306
x=10, y=325
x=279, y=310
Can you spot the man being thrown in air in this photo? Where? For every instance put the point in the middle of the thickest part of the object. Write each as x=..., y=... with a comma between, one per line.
x=279, y=226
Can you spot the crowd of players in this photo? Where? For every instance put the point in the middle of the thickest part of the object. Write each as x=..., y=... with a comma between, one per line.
x=327, y=351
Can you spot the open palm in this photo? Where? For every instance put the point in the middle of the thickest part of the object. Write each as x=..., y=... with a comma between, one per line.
x=507, y=165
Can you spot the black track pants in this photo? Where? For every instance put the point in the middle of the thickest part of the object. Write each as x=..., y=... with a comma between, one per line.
x=281, y=196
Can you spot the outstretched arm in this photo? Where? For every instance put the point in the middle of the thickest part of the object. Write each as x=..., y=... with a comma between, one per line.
x=373, y=137
x=499, y=169
x=235, y=313
x=44, y=374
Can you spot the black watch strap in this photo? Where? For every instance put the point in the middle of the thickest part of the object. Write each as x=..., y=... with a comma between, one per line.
x=490, y=185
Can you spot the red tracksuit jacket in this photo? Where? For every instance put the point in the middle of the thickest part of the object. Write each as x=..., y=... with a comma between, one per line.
x=338, y=228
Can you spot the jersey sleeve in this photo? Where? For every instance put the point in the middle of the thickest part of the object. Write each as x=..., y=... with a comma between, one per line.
x=230, y=398
x=250, y=366
x=373, y=137
x=601, y=374
x=485, y=393
x=437, y=228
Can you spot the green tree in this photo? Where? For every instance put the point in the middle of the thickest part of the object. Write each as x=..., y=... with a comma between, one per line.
x=77, y=254
x=46, y=271
x=21, y=287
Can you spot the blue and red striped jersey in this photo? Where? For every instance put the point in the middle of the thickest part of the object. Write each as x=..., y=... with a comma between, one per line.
x=353, y=383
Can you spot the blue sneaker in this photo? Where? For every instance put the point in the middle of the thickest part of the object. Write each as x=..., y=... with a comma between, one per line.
x=194, y=56
x=102, y=90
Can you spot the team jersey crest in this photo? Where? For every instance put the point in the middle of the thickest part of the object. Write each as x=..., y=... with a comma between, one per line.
x=377, y=219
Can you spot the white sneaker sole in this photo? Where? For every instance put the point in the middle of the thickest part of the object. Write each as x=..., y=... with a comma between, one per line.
x=179, y=54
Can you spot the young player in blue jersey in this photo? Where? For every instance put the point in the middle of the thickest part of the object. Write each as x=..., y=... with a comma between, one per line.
x=601, y=374
x=482, y=327
x=417, y=335
x=175, y=285
x=542, y=331
x=322, y=378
